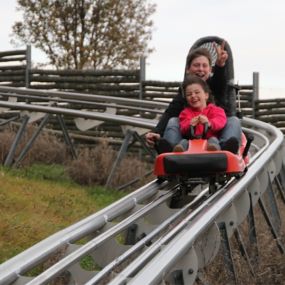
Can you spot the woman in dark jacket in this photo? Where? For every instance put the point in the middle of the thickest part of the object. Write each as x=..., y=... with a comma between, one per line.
x=199, y=63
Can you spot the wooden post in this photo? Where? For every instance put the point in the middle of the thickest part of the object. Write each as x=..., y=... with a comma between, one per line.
x=28, y=66
x=255, y=92
x=142, y=76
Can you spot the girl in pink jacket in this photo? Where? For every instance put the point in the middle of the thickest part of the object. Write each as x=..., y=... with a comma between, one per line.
x=198, y=112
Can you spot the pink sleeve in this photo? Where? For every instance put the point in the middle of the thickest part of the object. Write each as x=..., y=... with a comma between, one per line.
x=184, y=121
x=217, y=118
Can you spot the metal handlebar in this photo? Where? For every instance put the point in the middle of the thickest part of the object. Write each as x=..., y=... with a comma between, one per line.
x=203, y=136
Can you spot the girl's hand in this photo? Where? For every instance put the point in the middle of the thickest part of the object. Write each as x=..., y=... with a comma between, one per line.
x=195, y=121
x=203, y=119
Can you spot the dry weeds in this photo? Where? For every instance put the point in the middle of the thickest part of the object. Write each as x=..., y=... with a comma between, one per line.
x=46, y=148
x=268, y=265
x=92, y=167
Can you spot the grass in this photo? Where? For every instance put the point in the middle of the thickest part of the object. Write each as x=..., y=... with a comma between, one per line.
x=38, y=201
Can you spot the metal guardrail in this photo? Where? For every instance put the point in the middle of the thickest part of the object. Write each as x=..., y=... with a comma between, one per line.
x=173, y=247
x=231, y=208
x=41, y=105
x=124, y=120
x=53, y=95
x=30, y=258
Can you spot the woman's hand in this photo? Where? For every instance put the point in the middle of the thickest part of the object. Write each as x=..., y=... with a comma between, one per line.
x=222, y=54
x=151, y=138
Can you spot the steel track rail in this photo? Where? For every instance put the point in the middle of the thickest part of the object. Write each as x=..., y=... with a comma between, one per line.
x=157, y=246
x=57, y=101
x=147, y=239
x=116, y=119
x=30, y=258
x=75, y=256
x=14, y=268
x=154, y=271
x=55, y=270
x=53, y=95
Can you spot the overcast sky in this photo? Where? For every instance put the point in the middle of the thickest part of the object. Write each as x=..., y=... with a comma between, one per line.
x=253, y=28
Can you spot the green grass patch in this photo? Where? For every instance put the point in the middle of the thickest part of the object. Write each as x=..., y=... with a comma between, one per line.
x=53, y=172
x=38, y=201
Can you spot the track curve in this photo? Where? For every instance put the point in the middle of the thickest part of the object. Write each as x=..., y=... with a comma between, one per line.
x=140, y=239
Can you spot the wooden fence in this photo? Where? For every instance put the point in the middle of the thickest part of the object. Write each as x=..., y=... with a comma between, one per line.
x=15, y=67
x=16, y=71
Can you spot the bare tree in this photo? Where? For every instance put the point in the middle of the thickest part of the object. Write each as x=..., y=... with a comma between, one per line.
x=82, y=34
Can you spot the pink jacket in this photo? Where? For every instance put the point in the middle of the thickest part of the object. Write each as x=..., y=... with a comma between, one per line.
x=215, y=115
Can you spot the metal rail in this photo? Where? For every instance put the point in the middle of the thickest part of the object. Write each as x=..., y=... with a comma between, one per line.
x=163, y=239
x=124, y=120
x=54, y=95
x=226, y=208
x=28, y=259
